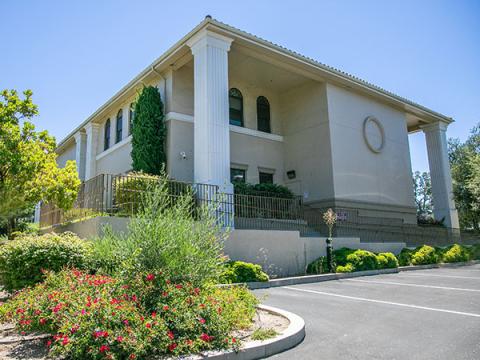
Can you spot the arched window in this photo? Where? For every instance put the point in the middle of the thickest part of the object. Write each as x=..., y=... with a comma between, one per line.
x=131, y=116
x=236, y=107
x=119, y=126
x=106, y=135
x=263, y=114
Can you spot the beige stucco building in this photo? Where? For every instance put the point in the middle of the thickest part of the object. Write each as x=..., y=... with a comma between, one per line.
x=240, y=106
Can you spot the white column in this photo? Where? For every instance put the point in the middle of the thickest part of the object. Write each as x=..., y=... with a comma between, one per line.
x=442, y=192
x=211, y=110
x=92, y=131
x=80, y=153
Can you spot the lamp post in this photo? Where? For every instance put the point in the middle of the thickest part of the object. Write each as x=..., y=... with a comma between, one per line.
x=330, y=219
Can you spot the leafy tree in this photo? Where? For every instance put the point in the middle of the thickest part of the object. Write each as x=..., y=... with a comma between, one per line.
x=149, y=133
x=28, y=168
x=422, y=186
x=465, y=165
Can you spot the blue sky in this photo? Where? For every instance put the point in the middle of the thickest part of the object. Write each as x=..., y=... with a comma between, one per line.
x=76, y=55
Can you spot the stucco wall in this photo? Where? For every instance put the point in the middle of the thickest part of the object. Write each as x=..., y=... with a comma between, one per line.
x=117, y=160
x=307, y=141
x=182, y=90
x=180, y=139
x=67, y=154
x=360, y=174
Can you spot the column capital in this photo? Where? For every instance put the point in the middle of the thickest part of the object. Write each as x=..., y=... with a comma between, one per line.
x=79, y=136
x=92, y=127
x=209, y=38
x=435, y=126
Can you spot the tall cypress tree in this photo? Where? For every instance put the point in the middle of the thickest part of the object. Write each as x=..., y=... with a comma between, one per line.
x=149, y=132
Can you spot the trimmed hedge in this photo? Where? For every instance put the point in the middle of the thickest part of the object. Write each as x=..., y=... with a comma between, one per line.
x=24, y=260
x=426, y=255
x=241, y=272
x=268, y=190
x=349, y=260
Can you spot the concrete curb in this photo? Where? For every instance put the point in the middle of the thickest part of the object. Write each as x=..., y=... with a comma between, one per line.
x=307, y=279
x=437, y=266
x=252, y=350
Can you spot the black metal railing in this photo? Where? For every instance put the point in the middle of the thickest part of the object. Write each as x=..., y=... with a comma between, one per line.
x=121, y=195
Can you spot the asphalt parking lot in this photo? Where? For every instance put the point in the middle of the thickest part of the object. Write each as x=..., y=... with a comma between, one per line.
x=423, y=314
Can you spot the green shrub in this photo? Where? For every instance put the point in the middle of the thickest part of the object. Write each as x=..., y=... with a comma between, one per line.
x=456, y=253
x=165, y=237
x=130, y=191
x=362, y=260
x=318, y=266
x=240, y=272
x=93, y=316
x=341, y=254
x=475, y=252
x=268, y=190
x=387, y=261
x=23, y=260
x=424, y=255
x=264, y=334
x=345, y=269
x=405, y=257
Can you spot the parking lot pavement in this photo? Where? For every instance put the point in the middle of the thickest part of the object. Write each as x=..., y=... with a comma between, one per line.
x=424, y=314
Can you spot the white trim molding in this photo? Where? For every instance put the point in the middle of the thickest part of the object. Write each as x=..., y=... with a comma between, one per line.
x=256, y=133
x=117, y=146
x=174, y=116
x=179, y=117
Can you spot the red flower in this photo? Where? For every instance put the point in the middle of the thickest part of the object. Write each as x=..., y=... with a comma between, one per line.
x=125, y=322
x=98, y=334
x=154, y=314
x=202, y=321
x=170, y=335
x=43, y=321
x=74, y=329
x=179, y=286
x=196, y=291
x=132, y=356
x=66, y=340
x=206, y=338
x=148, y=325
x=165, y=308
x=20, y=311
x=49, y=343
x=150, y=277
x=172, y=347
x=104, y=348
x=119, y=338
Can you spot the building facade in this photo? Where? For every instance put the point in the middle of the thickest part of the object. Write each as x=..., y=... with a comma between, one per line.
x=239, y=107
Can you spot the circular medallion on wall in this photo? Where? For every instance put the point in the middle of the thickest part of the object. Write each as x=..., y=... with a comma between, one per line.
x=373, y=134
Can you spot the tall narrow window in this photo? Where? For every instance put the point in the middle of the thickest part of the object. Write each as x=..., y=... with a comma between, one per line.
x=106, y=135
x=236, y=107
x=131, y=116
x=263, y=114
x=119, y=126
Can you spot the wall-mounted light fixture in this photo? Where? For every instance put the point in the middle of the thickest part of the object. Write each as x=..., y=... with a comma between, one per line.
x=183, y=155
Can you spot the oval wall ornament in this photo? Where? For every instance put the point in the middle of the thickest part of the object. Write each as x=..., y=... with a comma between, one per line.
x=373, y=134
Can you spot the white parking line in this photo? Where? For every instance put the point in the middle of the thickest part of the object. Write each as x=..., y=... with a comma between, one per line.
x=383, y=302
x=446, y=276
x=410, y=284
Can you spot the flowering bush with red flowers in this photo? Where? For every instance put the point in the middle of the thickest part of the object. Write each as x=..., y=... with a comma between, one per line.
x=96, y=317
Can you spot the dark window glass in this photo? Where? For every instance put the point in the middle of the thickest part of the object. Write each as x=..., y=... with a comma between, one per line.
x=236, y=107
x=263, y=114
x=131, y=116
x=237, y=175
x=265, y=178
x=119, y=127
x=106, y=135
